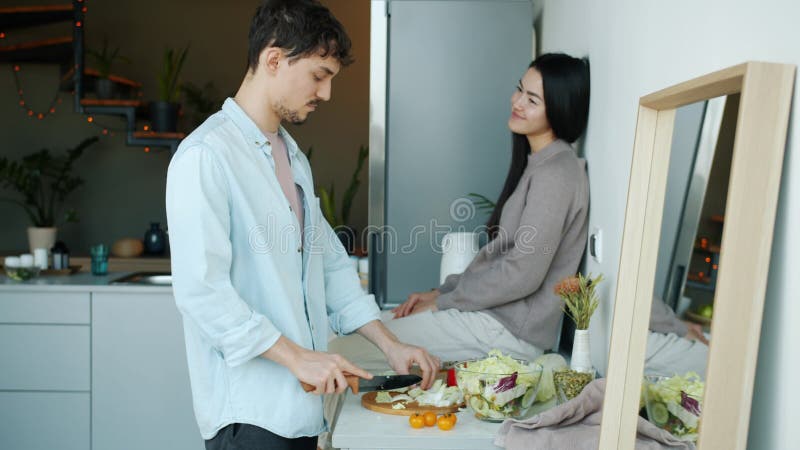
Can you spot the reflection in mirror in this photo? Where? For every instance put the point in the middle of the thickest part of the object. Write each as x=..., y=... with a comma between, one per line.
x=688, y=257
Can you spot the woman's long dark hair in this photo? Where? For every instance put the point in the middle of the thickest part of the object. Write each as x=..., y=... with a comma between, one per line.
x=565, y=81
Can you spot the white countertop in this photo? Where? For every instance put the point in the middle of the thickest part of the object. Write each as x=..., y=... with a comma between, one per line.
x=360, y=428
x=79, y=282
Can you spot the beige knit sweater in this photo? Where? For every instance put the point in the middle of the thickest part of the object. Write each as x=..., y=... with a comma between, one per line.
x=543, y=231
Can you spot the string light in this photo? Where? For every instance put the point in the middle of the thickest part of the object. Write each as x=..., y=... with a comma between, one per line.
x=51, y=109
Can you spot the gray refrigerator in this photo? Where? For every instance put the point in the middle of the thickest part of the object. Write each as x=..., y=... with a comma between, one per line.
x=442, y=75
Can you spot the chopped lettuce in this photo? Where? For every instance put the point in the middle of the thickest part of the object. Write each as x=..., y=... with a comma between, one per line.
x=383, y=397
x=499, y=386
x=680, y=396
x=439, y=395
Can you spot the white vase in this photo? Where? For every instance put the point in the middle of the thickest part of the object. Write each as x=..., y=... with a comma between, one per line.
x=581, y=361
x=458, y=250
x=41, y=237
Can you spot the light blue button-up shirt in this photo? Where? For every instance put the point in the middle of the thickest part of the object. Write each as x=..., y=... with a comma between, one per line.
x=243, y=275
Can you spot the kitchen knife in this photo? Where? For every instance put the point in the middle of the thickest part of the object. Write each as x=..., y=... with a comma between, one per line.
x=377, y=383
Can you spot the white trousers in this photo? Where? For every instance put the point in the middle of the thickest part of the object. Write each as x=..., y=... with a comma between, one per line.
x=670, y=354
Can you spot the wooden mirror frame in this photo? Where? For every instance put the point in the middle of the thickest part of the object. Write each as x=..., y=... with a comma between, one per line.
x=766, y=95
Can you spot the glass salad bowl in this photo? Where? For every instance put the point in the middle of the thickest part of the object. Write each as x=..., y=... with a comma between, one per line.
x=499, y=387
x=22, y=273
x=674, y=403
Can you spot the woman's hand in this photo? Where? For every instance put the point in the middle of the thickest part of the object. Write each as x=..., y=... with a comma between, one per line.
x=416, y=303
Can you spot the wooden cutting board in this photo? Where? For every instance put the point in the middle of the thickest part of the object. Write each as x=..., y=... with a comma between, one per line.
x=368, y=401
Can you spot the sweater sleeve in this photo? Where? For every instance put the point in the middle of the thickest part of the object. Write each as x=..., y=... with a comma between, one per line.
x=450, y=283
x=664, y=320
x=512, y=267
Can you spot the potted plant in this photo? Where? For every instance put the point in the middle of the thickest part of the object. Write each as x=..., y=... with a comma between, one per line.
x=580, y=302
x=327, y=200
x=104, y=59
x=201, y=102
x=164, y=111
x=43, y=181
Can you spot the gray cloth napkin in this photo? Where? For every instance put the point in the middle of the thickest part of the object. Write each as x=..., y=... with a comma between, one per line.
x=575, y=425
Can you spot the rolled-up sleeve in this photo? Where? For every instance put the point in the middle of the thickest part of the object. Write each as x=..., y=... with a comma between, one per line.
x=664, y=320
x=348, y=307
x=198, y=214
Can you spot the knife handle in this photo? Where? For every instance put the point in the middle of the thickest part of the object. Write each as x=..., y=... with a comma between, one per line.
x=352, y=381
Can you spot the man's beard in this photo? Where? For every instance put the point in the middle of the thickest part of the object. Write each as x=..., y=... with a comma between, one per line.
x=289, y=115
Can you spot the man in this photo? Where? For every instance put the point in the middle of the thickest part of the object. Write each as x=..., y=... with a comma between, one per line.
x=258, y=273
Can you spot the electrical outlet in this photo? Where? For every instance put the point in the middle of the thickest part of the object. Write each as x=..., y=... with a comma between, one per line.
x=596, y=244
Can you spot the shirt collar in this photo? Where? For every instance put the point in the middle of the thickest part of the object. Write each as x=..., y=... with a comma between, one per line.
x=251, y=132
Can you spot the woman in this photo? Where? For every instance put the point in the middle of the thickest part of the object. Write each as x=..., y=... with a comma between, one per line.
x=504, y=299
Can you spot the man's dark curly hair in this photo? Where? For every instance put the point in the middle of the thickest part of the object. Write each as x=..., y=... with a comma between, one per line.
x=300, y=27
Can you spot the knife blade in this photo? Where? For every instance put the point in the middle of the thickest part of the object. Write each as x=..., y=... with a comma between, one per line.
x=377, y=383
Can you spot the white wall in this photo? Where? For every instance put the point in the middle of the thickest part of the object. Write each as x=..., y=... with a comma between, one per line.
x=637, y=47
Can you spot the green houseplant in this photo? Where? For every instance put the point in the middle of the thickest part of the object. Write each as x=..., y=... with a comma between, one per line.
x=43, y=182
x=201, y=102
x=164, y=111
x=340, y=220
x=104, y=59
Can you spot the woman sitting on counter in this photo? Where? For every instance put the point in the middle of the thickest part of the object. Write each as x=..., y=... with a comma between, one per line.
x=504, y=299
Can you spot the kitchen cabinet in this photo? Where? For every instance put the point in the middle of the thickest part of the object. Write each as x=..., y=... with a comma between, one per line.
x=44, y=357
x=44, y=382
x=93, y=366
x=141, y=397
x=44, y=420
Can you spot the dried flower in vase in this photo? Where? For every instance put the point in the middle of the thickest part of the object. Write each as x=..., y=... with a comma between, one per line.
x=580, y=299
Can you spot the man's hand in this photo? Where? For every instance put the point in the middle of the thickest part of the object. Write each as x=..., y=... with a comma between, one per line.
x=695, y=332
x=401, y=356
x=324, y=371
x=416, y=303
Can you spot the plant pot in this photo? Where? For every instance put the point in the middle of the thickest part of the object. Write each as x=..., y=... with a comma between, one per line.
x=41, y=237
x=164, y=116
x=104, y=88
x=581, y=361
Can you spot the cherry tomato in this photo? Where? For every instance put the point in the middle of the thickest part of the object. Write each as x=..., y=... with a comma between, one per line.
x=416, y=421
x=430, y=418
x=446, y=422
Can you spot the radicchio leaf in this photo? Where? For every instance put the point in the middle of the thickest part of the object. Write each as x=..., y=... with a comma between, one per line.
x=690, y=404
x=506, y=383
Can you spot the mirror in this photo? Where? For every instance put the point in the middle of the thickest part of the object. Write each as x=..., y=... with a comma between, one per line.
x=659, y=254
x=687, y=264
